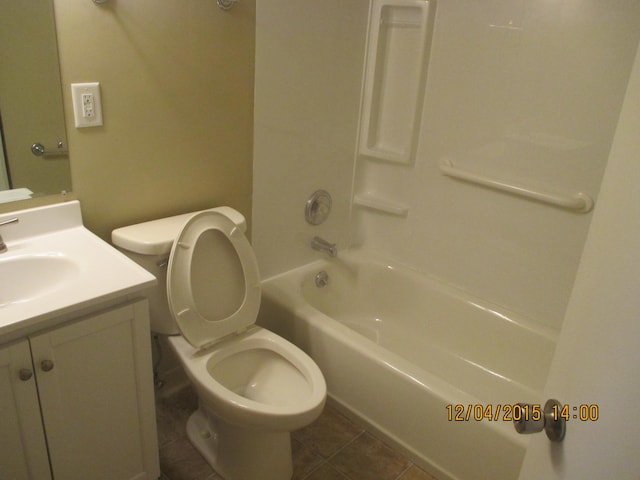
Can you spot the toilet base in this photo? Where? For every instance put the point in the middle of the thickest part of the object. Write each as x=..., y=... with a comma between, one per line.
x=238, y=453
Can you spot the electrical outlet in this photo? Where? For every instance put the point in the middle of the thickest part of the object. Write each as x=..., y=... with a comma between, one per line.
x=87, y=106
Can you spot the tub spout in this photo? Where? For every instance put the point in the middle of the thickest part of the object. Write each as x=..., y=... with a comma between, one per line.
x=323, y=246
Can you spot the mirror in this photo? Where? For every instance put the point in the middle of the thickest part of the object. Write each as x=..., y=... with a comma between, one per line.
x=31, y=110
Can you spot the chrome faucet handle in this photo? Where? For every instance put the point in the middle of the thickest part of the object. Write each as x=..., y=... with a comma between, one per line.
x=3, y=246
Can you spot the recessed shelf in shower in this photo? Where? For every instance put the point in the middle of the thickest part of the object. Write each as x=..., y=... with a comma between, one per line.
x=380, y=204
x=395, y=72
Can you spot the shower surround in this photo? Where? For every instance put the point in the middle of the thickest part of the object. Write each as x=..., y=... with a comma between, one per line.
x=521, y=93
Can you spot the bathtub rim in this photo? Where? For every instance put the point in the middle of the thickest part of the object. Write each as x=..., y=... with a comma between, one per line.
x=355, y=255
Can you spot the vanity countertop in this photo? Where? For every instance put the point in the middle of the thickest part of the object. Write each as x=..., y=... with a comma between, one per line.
x=54, y=267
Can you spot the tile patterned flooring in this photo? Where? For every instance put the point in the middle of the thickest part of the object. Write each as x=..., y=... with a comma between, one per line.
x=332, y=448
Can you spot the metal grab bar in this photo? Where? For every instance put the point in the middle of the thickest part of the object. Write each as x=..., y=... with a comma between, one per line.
x=39, y=151
x=580, y=202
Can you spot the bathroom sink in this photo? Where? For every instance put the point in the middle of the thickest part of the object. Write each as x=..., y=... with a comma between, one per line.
x=54, y=267
x=27, y=277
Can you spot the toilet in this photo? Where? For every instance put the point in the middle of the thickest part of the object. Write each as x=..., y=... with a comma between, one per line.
x=253, y=386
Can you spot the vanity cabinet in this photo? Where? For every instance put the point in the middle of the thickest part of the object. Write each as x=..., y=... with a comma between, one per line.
x=23, y=451
x=76, y=401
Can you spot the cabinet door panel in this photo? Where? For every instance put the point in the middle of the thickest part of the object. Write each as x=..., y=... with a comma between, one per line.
x=23, y=451
x=92, y=401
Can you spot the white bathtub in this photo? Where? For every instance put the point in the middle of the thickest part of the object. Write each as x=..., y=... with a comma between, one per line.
x=400, y=350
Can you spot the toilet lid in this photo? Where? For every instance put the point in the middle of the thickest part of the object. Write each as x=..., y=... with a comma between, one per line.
x=213, y=284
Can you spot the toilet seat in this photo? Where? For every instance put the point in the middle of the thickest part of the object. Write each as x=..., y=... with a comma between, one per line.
x=213, y=284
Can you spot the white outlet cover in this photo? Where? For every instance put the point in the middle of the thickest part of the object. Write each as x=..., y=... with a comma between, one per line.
x=81, y=120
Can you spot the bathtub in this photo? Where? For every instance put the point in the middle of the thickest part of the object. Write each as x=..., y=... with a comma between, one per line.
x=430, y=368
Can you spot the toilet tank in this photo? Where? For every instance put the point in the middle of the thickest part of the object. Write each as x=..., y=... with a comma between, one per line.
x=149, y=245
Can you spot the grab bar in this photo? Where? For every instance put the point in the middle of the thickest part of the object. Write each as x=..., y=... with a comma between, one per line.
x=39, y=151
x=580, y=202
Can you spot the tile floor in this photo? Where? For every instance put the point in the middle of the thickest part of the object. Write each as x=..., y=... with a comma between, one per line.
x=332, y=448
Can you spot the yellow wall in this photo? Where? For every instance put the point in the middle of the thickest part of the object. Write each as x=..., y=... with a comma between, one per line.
x=177, y=94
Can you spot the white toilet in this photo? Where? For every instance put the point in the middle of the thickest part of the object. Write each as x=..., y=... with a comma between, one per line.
x=253, y=386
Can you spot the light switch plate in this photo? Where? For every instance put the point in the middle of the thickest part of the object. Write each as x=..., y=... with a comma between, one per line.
x=87, y=105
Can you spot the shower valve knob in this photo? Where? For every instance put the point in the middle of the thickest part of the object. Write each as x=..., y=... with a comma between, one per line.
x=318, y=207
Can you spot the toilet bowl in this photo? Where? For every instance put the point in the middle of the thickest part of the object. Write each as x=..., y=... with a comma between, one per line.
x=253, y=386
x=252, y=391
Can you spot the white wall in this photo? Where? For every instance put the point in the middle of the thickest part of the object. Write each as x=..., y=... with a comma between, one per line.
x=522, y=91
x=309, y=57
x=597, y=357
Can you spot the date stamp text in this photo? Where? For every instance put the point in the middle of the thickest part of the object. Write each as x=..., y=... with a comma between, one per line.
x=517, y=412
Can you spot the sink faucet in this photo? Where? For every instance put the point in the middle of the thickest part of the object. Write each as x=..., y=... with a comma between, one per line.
x=323, y=246
x=3, y=246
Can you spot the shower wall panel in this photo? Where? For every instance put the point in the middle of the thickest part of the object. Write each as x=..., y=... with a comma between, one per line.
x=523, y=93
x=309, y=60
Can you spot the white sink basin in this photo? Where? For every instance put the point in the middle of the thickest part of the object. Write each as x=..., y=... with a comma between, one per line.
x=54, y=267
x=32, y=276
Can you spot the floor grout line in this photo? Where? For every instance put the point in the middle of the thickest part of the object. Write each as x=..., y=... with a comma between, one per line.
x=345, y=445
x=334, y=454
x=411, y=464
x=326, y=461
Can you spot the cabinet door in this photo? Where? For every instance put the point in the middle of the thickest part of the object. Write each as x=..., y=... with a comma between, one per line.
x=23, y=451
x=96, y=393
